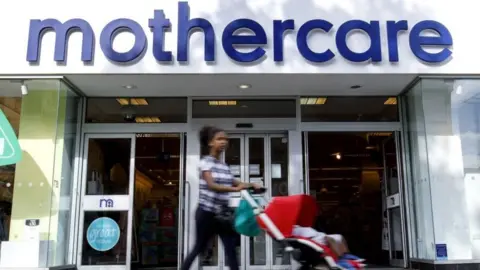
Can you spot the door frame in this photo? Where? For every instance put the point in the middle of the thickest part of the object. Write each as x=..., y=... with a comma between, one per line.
x=130, y=131
x=348, y=127
x=401, y=201
x=193, y=157
x=83, y=197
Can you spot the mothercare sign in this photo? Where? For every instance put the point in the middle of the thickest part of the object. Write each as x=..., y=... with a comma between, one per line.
x=243, y=40
x=10, y=152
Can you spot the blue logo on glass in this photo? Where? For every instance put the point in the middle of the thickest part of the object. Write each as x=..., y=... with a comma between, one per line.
x=103, y=234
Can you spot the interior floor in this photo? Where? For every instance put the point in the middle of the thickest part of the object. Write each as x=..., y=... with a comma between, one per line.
x=346, y=172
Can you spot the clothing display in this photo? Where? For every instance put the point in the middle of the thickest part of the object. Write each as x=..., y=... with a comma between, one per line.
x=4, y=226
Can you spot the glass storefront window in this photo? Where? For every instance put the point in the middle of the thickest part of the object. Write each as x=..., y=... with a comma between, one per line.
x=35, y=193
x=421, y=212
x=443, y=125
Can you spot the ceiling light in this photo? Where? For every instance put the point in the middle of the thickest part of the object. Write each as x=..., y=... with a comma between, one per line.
x=222, y=102
x=24, y=89
x=132, y=101
x=244, y=86
x=356, y=86
x=138, y=102
x=313, y=101
x=391, y=101
x=379, y=134
x=147, y=119
x=123, y=101
x=129, y=86
x=459, y=90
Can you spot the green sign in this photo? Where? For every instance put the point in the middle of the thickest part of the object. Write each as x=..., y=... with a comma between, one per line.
x=10, y=152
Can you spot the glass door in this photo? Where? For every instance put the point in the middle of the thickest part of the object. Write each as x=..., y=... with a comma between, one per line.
x=107, y=201
x=262, y=159
x=394, y=229
x=256, y=249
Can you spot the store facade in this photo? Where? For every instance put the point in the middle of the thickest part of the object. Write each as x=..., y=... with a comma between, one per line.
x=188, y=57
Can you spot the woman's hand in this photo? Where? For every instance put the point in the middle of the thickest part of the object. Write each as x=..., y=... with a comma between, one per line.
x=256, y=186
x=240, y=186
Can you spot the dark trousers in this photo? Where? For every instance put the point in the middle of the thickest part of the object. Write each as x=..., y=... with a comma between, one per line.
x=207, y=227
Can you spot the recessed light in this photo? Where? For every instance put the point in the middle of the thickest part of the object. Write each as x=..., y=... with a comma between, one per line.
x=356, y=86
x=391, y=101
x=244, y=86
x=129, y=86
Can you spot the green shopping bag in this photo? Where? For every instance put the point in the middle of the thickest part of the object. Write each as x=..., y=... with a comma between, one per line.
x=245, y=220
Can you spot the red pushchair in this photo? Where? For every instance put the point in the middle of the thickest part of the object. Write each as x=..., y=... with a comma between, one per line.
x=278, y=220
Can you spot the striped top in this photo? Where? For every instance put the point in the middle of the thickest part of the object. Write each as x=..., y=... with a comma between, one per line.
x=210, y=200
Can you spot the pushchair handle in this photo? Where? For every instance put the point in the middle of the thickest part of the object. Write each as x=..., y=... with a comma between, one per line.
x=253, y=190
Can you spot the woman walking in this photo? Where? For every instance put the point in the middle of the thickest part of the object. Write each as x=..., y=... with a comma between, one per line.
x=216, y=184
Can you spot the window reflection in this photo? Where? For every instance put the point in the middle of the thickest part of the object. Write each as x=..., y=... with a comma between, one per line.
x=136, y=110
x=244, y=108
x=349, y=109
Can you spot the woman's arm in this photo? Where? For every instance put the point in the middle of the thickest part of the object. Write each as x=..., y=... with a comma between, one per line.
x=207, y=176
x=237, y=182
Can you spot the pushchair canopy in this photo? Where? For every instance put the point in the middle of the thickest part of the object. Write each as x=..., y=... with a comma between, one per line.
x=285, y=212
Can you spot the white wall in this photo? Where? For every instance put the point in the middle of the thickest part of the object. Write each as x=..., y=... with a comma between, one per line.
x=458, y=16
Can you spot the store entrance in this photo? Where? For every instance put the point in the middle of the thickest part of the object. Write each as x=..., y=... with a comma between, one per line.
x=356, y=180
x=130, y=215
x=263, y=159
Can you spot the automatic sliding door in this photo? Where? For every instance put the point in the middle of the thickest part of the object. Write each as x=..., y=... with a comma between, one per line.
x=278, y=160
x=234, y=157
x=214, y=256
x=106, y=216
x=256, y=172
x=266, y=163
x=262, y=159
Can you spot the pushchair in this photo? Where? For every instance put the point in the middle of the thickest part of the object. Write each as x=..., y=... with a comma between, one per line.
x=278, y=219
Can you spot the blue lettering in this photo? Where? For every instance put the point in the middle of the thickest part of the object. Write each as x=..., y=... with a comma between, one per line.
x=372, y=29
x=279, y=29
x=443, y=40
x=229, y=40
x=159, y=24
x=112, y=29
x=255, y=39
x=185, y=27
x=62, y=32
x=393, y=28
x=302, y=43
x=106, y=203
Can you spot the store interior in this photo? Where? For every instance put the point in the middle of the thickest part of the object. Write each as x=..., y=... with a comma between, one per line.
x=11, y=107
x=346, y=177
x=156, y=200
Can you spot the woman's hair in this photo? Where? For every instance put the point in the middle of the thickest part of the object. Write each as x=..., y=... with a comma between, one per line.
x=206, y=135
